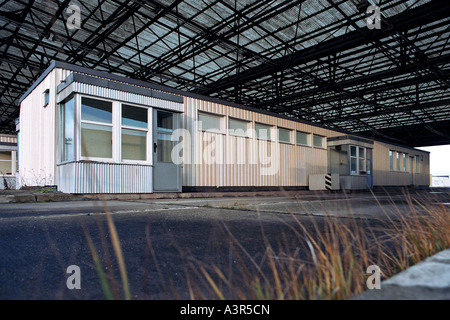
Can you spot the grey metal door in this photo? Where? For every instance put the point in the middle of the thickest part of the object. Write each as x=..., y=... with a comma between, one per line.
x=166, y=174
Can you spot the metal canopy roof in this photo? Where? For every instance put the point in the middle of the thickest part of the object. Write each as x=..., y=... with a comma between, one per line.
x=312, y=60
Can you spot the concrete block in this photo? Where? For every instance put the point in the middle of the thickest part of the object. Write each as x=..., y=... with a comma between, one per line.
x=24, y=198
x=424, y=274
x=427, y=280
x=442, y=257
x=317, y=182
x=125, y=196
x=45, y=197
x=7, y=198
x=146, y=196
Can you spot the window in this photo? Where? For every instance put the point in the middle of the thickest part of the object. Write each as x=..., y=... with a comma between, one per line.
x=302, y=138
x=369, y=161
x=262, y=131
x=362, y=160
x=96, y=128
x=238, y=127
x=357, y=160
x=398, y=161
x=209, y=122
x=391, y=160
x=404, y=162
x=416, y=163
x=353, y=160
x=134, y=116
x=5, y=162
x=318, y=141
x=68, y=130
x=284, y=135
x=46, y=97
x=164, y=129
x=134, y=133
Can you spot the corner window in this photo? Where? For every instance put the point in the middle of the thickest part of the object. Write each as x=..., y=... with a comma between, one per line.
x=262, y=131
x=318, y=141
x=134, y=133
x=302, y=138
x=210, y=122
x=68, y=130
x=96, y=128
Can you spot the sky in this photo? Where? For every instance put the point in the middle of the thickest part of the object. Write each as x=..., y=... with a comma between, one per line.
x=439, y=159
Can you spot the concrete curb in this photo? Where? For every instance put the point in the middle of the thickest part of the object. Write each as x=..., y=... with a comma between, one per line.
x=427, y=280
x=58, y=196
x=21, y=196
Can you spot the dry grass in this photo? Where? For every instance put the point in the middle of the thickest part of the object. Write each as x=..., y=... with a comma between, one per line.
x=110, y=285
x=339, y=251
x=326, y=260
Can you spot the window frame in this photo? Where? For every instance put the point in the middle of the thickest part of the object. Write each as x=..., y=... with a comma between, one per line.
x=391, y=160
x=270, y=129
x=358, y=160
x=11, y=164
x=112, y=125
x=247, y=133
x=116, y=130
x=46, y=94
x=221, y=118
x=158, y=131
x=289, y=131
x=364, y=159
x=62, y=119
x=404, y=162
x=148, y=136
x=323, y=146
x=308, y=138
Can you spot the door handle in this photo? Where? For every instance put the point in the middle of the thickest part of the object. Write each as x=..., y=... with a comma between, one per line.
x=155, y=146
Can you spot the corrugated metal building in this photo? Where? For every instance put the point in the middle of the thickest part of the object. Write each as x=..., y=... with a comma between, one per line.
x=87, y=131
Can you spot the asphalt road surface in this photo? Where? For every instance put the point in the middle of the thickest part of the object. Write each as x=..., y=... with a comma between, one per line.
x=164, y=242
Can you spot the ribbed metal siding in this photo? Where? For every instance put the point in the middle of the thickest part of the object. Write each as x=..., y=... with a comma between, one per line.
x=119, y=96
x=6, y=138
x=295, y=163
x=97, y=177
x=383, y=176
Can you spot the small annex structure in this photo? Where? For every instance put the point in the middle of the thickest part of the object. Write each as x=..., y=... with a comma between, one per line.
x=8, y=161
x=87, y=131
